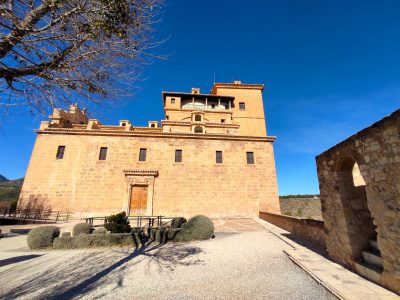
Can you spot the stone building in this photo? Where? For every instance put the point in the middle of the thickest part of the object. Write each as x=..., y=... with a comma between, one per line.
x=210, y=155
x=360, y=196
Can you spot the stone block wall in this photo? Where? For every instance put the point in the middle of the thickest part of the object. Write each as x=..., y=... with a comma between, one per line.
x=360, y=196
x=311, y=230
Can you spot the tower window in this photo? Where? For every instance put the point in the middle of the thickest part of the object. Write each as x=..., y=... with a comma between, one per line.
x=172, y=100
x=242, y=105
x=60, y=152
x=218, y=157
x=198, y=129
x=142, y=154
x=153, y=125
x=197, y=118
x=250, y=158
x=222, y=120
x=167, y=117
x=178, y=155
x=103, y=153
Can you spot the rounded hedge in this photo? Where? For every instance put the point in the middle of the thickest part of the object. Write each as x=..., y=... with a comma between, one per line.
x=64, y=242
x=82, y=228
x=197, y=228
x=178, y=222
x=42, y=237
x=100, y=230
x=65, y=234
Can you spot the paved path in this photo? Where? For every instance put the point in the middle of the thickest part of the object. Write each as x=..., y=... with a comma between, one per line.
x=340, y=281
x=245, y=265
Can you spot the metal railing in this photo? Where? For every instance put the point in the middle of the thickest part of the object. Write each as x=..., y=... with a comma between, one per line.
x=34, y=215
x=204, y=107
x=139, y=221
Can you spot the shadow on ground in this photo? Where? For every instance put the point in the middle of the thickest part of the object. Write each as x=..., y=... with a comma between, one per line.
x=83, y=273
x=306, y=244
x=17, y=259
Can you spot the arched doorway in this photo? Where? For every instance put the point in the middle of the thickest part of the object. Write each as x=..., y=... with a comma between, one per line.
x=361, y=231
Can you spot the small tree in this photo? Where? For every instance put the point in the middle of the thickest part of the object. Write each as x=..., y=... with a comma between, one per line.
x=118, y=223
x=55, y=52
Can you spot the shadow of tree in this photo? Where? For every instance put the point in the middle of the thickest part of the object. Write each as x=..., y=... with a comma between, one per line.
x=77, y=276
x=16, y=259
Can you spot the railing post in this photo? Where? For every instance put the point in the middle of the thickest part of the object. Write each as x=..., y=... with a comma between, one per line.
x=57, y=216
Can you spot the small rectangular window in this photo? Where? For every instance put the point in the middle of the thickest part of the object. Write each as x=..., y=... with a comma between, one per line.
x=178, y=155
x=222, y=120
x=242, y=105
x=142, y=154
x=250, y=158
x=103, y=153
x=172, y=100
x=218, y=157
x=60, y=152
x=166, y=117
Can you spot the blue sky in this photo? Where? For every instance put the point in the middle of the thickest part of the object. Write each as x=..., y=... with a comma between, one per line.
x=330, y=68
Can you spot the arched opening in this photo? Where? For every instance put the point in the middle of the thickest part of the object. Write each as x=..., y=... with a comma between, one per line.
x=197, y=118
x=198, y=129
x=361, y=230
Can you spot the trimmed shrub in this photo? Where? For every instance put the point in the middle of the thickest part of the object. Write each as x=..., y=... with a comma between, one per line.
x=65, y=234
x=82, y=228
x=178, y=222
x=197, y=228
x=64, y=242
x=42, y=237
x=172, y=232
x=118, y=223
x=100, y=230
x=103, y=240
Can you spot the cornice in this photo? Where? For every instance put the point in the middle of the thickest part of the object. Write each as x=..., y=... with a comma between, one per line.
x=141, y=172
x=208, y=136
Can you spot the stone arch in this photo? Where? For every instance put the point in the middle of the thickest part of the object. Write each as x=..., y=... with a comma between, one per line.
x=360, y=228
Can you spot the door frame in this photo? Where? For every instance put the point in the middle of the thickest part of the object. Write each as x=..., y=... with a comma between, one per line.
x=140, y=178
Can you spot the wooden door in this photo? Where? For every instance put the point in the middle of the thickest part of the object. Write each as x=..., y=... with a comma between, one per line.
x=138, y=202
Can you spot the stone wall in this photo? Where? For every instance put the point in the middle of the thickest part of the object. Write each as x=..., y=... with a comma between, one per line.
x=87, y=186
x=311, y=230
x=360, y=197
x=309, y=208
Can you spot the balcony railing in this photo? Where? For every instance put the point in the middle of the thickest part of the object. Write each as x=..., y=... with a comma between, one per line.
x=204, y=107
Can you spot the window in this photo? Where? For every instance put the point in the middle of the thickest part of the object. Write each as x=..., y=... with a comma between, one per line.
x=242, y=105
x=226, y=105
x=166, y=117
x=153, y=125
x=172, y=100
x=218, y=157
x=103, y=153
x=178, y=155
x=212, y=106
x=198, y=129
x=60, y=152
x=197, y=118
x=123, y=124
x=142, y=154
x=250, y=158
x=222, y=120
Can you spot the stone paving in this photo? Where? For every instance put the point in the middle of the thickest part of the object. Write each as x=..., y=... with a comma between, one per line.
x=341, y=282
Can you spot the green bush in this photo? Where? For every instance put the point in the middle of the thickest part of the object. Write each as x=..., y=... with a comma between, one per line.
x=64, y=242
x=178, y=222
x=42, y=237
x=82, y=228
x=103, y=240
x=197, y=228
x=65, y=234
x=100, y=230
x=118, y=223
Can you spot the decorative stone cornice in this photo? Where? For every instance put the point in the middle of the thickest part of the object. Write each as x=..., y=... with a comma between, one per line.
x=141, y=172
x=208, y=136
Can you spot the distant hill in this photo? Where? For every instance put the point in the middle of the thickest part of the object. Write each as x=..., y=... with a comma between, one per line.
x=10, y=189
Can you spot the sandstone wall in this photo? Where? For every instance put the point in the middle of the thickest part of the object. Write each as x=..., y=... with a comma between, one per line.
x=87, y=186
x=351, y=210
x=309, y=208
x=311, y=230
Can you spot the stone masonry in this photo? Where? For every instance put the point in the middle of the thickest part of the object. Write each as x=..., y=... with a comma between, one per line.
x=360, y=196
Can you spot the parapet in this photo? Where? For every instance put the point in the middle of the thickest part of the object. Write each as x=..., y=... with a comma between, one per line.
x=64, y=119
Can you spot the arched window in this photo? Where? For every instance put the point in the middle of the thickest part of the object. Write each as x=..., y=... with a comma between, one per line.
x=198, y=129
x=197, y=118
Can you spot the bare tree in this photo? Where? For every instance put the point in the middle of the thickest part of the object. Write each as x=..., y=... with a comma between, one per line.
x=54, y=52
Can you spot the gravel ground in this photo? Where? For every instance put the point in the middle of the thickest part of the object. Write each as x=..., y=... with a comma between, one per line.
x=247, y=265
